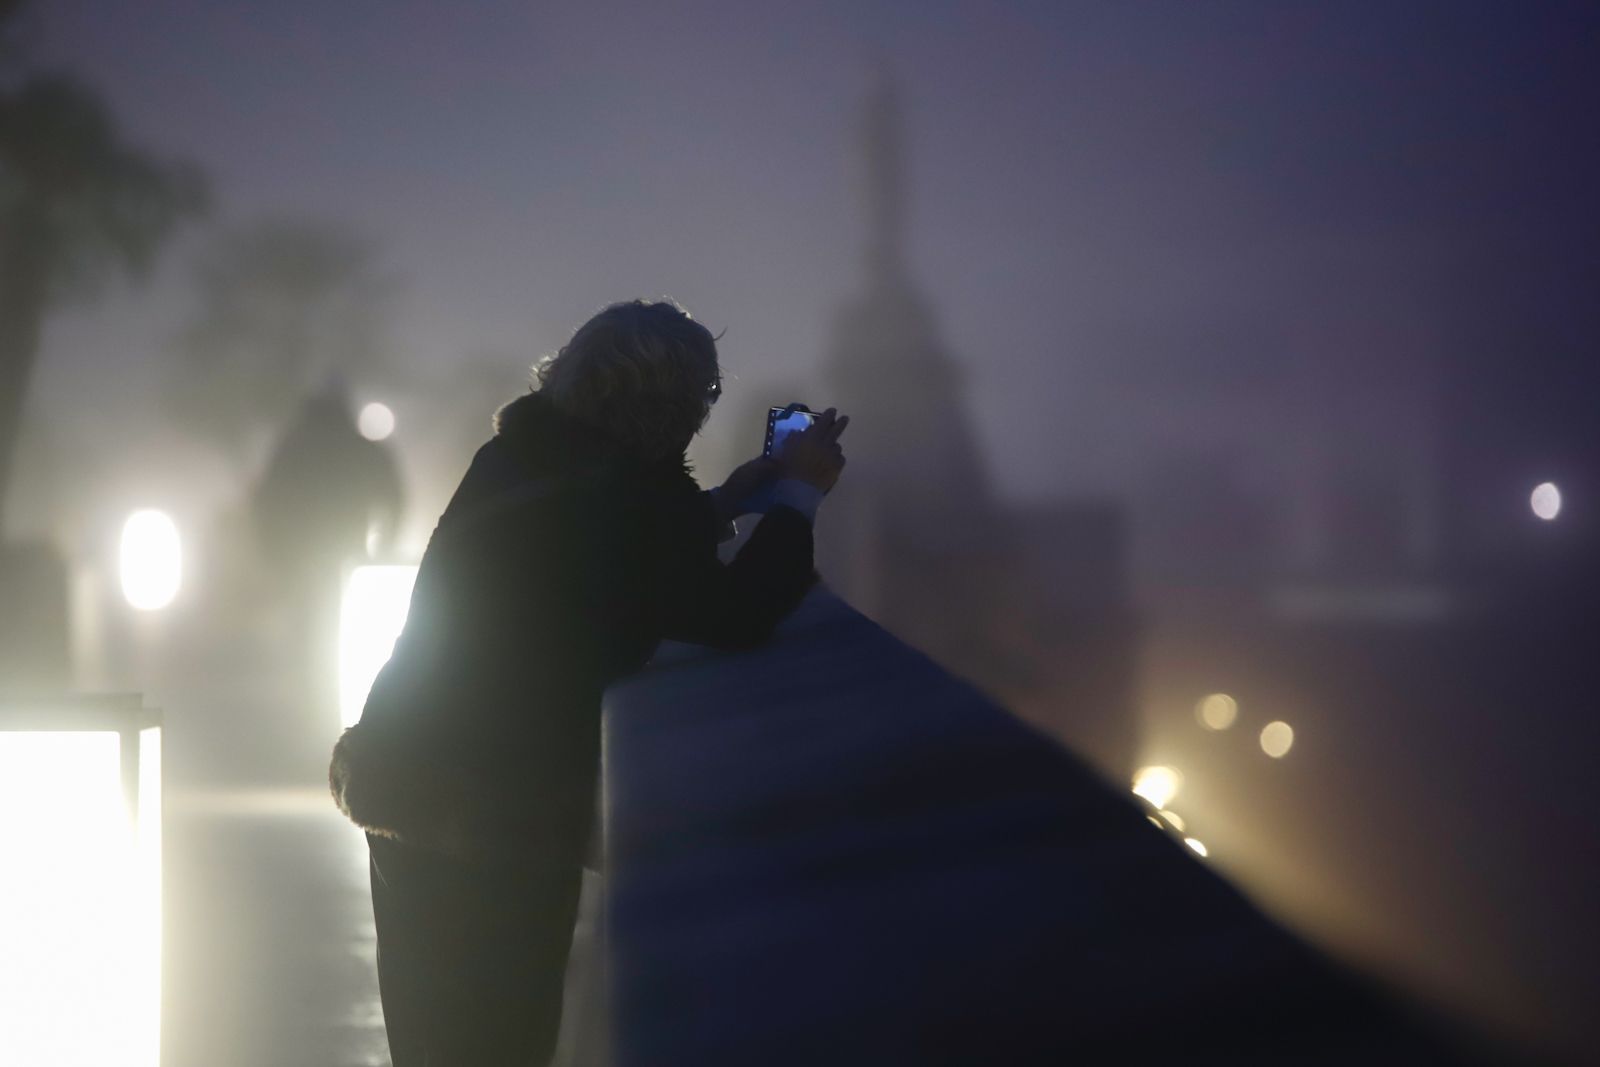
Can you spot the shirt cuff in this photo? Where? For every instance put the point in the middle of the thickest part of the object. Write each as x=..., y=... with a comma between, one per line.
x=802, y=496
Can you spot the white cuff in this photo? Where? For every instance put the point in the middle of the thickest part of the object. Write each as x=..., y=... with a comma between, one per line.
x=802, y=496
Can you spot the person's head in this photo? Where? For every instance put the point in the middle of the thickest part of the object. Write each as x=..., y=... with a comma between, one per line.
x=645, y=373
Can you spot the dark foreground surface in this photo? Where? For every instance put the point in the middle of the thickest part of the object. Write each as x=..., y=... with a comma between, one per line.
x=831, y=851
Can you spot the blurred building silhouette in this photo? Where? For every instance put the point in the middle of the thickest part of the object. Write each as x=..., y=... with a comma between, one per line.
x=1031, y=603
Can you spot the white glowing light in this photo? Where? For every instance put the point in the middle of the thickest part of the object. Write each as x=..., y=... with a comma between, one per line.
x=1158, y=785
x=1198, y=845
x=151, y=560
x=376, y=421
x=80, y=899
x=376, y=600
x=1174, y=818
x=1276, y=739
x=1217, y=711
x=1546, y=501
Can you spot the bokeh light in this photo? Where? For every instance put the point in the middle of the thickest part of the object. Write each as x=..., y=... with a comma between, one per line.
x=376, y=421
x=1158, y=785
x=1217, y=711
x=1276, y=739
x=1546, y=501
x=151, y=560
x=1198, y=846
x=1174, y=819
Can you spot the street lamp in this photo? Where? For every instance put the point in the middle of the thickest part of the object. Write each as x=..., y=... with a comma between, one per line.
x=1545, y=500
x=151, y=558
x=80, y=882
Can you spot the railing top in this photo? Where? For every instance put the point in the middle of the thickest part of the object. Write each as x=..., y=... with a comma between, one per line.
x=87, y=712
x=831, y=850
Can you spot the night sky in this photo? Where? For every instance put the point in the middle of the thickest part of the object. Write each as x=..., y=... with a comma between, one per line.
x=1167, y=202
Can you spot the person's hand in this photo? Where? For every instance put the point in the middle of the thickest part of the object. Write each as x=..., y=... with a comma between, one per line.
x=813, y=455
x=746, y=481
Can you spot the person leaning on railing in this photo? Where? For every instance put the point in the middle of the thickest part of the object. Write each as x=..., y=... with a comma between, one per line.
x=576, y=542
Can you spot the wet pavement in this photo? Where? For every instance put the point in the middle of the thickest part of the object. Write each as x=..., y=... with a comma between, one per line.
x=269, y=935
x=269, y=944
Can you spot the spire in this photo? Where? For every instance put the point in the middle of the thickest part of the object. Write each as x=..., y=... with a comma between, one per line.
x=883, y=165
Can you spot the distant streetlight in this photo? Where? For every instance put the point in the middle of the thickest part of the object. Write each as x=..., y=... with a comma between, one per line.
x=1545, y=501
x=80, y=891
x=1217, y=711
x=376, y=421
x=151, y=560
x=1276, y=739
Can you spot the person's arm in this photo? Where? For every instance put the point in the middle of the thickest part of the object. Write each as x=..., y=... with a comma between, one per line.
x=701, y=600
x=738, y=605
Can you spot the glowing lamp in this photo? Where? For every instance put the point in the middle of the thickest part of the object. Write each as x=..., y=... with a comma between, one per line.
x=151, y=559
x=1158, y=785
x=80, y=886
x=1276, y=739
x=1545, y=501
x=376, y=421
x=373, y=611
x=1217, y=711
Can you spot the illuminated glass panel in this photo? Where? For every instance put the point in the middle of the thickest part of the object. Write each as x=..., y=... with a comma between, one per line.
x=376, y=599
x=80, y=900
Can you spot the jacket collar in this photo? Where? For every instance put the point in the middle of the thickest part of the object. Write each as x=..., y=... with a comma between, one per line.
x=544, y=440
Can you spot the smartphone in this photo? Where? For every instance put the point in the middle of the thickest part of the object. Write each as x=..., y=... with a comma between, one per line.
x=781, y=422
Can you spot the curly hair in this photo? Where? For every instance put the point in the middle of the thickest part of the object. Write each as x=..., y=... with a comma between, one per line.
x=642, y=371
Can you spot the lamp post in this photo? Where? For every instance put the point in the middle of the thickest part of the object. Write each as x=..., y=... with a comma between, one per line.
x=80, y=882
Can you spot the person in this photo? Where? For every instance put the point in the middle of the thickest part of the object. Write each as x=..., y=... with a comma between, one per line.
x=322, y=492
x=325, y=489
x=577, y=540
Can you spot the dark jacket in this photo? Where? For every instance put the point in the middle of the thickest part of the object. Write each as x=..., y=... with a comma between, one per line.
x=557, y=567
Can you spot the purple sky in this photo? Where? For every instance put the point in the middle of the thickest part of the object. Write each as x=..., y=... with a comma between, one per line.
x=1106, y=198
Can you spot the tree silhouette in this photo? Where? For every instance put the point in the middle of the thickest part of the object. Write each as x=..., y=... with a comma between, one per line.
x=77, y=203
x=282, y=305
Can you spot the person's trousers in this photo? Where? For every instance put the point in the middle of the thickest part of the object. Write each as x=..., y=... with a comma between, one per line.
x=471, y=956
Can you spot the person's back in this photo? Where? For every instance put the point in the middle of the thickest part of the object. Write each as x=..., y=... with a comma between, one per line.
x=535, y=592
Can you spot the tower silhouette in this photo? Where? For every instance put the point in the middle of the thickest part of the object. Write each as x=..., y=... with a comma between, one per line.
x=1027, y=603
x=917, y=502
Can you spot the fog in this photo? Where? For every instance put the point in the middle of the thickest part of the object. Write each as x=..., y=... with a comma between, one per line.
x=1099, y=200
x=1249, y=331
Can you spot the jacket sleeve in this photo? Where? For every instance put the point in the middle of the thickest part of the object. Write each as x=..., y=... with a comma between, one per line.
x=736, y=605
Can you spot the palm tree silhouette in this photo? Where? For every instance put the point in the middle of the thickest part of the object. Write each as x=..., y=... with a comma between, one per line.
x=77, y=203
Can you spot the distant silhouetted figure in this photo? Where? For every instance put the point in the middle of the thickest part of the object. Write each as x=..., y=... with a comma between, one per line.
x=576, y=541
x=325, y=490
